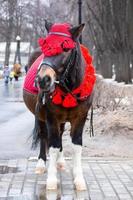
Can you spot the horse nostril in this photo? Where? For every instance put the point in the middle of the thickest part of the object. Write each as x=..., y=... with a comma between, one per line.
x=45, y=82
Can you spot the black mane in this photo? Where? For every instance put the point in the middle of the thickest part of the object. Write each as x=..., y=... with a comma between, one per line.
x=76, y=72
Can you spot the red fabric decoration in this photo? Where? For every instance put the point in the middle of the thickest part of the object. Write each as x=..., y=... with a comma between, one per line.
x=29, y=84
x=55, y=44
x=69, y=101
x=57, y=97
x=85, y=89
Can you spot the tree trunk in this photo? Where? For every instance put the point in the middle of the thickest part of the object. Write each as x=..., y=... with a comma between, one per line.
x=11, y=9
x=7, y=53
x=122, y=68
x=106, y=65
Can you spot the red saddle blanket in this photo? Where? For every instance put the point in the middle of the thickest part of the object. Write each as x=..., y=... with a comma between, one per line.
x=58, y=96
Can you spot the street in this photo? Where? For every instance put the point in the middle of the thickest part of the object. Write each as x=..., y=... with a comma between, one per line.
x=16, y=122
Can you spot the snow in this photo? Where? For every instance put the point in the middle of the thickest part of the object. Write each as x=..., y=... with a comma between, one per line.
x=113, y=125
x=24, y=47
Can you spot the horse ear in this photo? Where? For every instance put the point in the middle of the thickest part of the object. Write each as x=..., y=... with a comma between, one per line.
x=48, y=25
x=76, y=31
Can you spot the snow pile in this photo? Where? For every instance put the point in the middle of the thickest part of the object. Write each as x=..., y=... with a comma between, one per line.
x=113, y=122
x=111, y=95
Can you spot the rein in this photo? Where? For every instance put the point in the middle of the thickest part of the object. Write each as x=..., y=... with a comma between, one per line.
x=70, y=62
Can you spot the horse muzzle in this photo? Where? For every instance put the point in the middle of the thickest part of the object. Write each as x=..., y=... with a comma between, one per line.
x=46, y=79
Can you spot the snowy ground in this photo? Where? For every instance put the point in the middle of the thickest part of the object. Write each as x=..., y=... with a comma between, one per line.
x=113, y=136
x=113, y=124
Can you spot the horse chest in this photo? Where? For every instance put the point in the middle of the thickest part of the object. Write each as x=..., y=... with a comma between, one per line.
x=67, y=114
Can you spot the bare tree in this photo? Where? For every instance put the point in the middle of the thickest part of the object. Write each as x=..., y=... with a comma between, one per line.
x=8, y=8
x=110, y=30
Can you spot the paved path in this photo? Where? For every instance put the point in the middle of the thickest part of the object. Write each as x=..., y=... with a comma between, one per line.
x=106, y=180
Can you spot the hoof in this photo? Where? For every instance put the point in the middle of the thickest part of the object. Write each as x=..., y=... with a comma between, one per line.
x=61, y=162
x=40, y=167
x=80, y=184
x=40, y=170
x=51, y=184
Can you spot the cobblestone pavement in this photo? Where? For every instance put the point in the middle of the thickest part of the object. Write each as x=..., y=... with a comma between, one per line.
x=106, y=180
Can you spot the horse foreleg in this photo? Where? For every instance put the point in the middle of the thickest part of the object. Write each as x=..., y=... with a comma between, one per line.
x=77, y=168
x=76, y=134
x=54, y=148
x=61, y=161
x=52, y=169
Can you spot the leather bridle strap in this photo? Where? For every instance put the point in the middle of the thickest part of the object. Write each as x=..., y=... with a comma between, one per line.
x=45, y=62
x=70, y=62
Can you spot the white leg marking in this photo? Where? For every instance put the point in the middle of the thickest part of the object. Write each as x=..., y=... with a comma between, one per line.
x=61, y=161
x=40, y=167
x=52, y=170
x=77, y=169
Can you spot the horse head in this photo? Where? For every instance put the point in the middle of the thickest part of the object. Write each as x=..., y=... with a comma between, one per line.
x=60, y=52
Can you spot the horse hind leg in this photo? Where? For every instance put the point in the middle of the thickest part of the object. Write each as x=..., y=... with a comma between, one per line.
x=41, y=164
x=61, y=160
x=76, y=134
x=42, y=136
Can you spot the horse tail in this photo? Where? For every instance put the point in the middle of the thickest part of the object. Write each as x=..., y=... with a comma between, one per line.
x=36, y=133
x=40, y=131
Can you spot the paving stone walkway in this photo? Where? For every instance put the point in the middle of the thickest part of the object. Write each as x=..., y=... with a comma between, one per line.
x=106, y=180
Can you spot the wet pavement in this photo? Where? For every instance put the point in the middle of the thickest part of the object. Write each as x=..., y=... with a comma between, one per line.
x=105, y=179
x=16, y=122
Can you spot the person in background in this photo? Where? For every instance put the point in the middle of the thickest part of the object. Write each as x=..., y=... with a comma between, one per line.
x=26, y=68
x=11, y=75
x=6, y=73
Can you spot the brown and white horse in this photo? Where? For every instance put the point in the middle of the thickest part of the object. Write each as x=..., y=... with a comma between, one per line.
x=64, y=81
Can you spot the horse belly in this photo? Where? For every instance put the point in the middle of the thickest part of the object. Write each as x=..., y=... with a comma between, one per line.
x=30, y=101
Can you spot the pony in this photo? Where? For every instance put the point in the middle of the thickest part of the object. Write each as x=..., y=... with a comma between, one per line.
x=58, y=88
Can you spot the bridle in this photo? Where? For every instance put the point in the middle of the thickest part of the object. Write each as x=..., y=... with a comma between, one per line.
x=69, y=64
